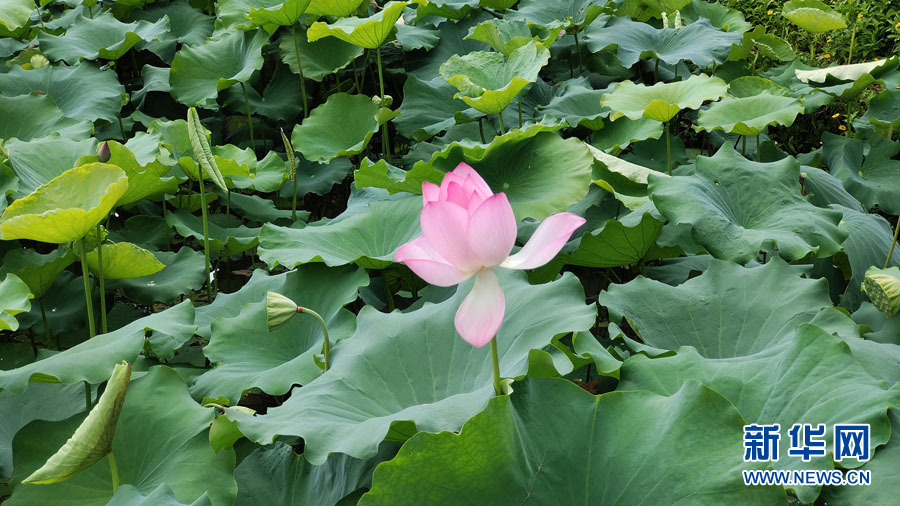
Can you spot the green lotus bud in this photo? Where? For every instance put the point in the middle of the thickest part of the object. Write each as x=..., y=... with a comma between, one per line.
x=883, y=288
x=93, y=438
x=665, y=20
x=388, y=100
x=103, y=153
x=678, y=23
x=279, y=309
x=38, y=61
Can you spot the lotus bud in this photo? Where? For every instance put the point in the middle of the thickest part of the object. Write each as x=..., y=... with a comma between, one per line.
x=93, y=438
x=388, y=100
x=38, y=61
x=883, y=288
x=665, y=20
x=279, y=309
x=103, y=153
x=678, y=23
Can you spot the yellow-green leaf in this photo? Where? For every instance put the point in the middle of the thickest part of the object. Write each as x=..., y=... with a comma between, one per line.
x=124, y=260
x=368, y=32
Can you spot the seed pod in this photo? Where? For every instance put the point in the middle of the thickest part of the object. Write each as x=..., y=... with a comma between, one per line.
x=883, y=288
x=93, y=438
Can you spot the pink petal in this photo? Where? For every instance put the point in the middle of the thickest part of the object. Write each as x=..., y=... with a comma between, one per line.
x=481, y=313
x=550, y=236
x=430, y=192
x=421, y=258
x=492, y=230
x=473, y=179
x=444, y=227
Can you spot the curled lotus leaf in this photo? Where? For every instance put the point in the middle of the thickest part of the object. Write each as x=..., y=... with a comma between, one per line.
x=813, y=16
x=662, y=101
x=370, y=32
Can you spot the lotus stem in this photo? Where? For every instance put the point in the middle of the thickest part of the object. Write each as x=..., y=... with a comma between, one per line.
x=389, y=297
x=209, y=289
x=87, y=395
x=294, y=202
x=656, y=71
x=578, y=50
x=44, y=319
x=500, y=118
x=122, y=128
x=249, y=118
x=87, y=288
x=520, y=114
x=893, y=243
x=852, y=42
x=113, y=471
x=757, y=148
x=356, y=77
x=481, y=129
x=100, y=277
x=495, y=362
x=326, y=344
x=744, y=145
x=300, y=68
x=385, y=142
x=227, y=209
x=668, y=150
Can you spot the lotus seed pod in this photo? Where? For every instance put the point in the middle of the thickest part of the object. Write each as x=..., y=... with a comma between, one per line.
x=279, y=309
x=103, y=153
x=93, y=438
x=883, y=288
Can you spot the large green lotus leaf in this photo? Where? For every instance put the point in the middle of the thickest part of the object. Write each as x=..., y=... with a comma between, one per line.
x=728, y=311
x=488, y=81
x=615, y=136
x=884, y=463
x=260, y=209
x=699, y=43
x=850, y=72
x=773, y=47
x=338, y=8
x=662, y=101
x=644, y=10
x=66, y=208
x=884, y=112
x=282, y=14
x=435, y=383
x=82, y=92
x=161, y=438
x=277, y=475
x=625, y=180
x=868, y=241
x=428, y=108
x=269, y=176
x=123, y=260
x=15, y=298
x=63, y=305
x=507, y=35
x=367, y=236
x=223, y=241
x=811, y=377
x=320, y=58
x=16, y=15
x=37, y=161
x=200, y=72
x=616, y=243
x=102, y=36
x=282, y=357
x=572, y=15
x=749, y=115
x=162, y=495
x=26, y=117
x=521, y=447
x=370, y=32
x=868, y=172
x=342, y=126
x=316, y=177
x=737, y=207
x=730, y=20
x=823, y=189
x=281, y=99
x=36, y=270
x=183, y=272
x=144, y=181
x=92, y=359
x=450, y=9
x=813, y=16
x=41, y=401
x=187, y=25
x=412, y=37
x=520, y=163
x=577, y=103
x=393, y=179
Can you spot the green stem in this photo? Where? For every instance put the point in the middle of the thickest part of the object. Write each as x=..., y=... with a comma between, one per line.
x=209, y=290
x=743, y=145
x=87, y=395
x=500, y=117
x=294, y=202
x=852, y=42
x=227, y=209
x=249, y=118
x=100, y=276
x=481, y=129
x=87, y=288
x=757, y=148
x=893, y=243
x=388, y=295
x=578, y=49
x=326, y=344
x=495, y=362
x=168, y=239
x=385, y=142
x=812, y=50
x=300, y=69
x=668, y=150
x=656, y=71
x=113, y=471
x=520, y=114
x=122, y=128
x=356, y=77
x=44, y=319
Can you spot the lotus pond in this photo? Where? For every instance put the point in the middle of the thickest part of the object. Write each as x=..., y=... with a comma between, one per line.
x=439, y=252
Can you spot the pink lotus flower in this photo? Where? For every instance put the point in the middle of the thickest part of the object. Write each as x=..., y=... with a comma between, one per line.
x=468, y=230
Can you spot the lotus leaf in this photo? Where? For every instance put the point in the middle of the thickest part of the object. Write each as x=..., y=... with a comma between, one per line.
x=339, y=8
x=749, y=115
x=508, y=35
x=15, y=298
x=662, y=101
x=124, y=260
x=868, y=170
x=82, y=92
x=369, y=32
x=36, y=270
x=320, y=58
x=813, y=16
x=103, y=36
